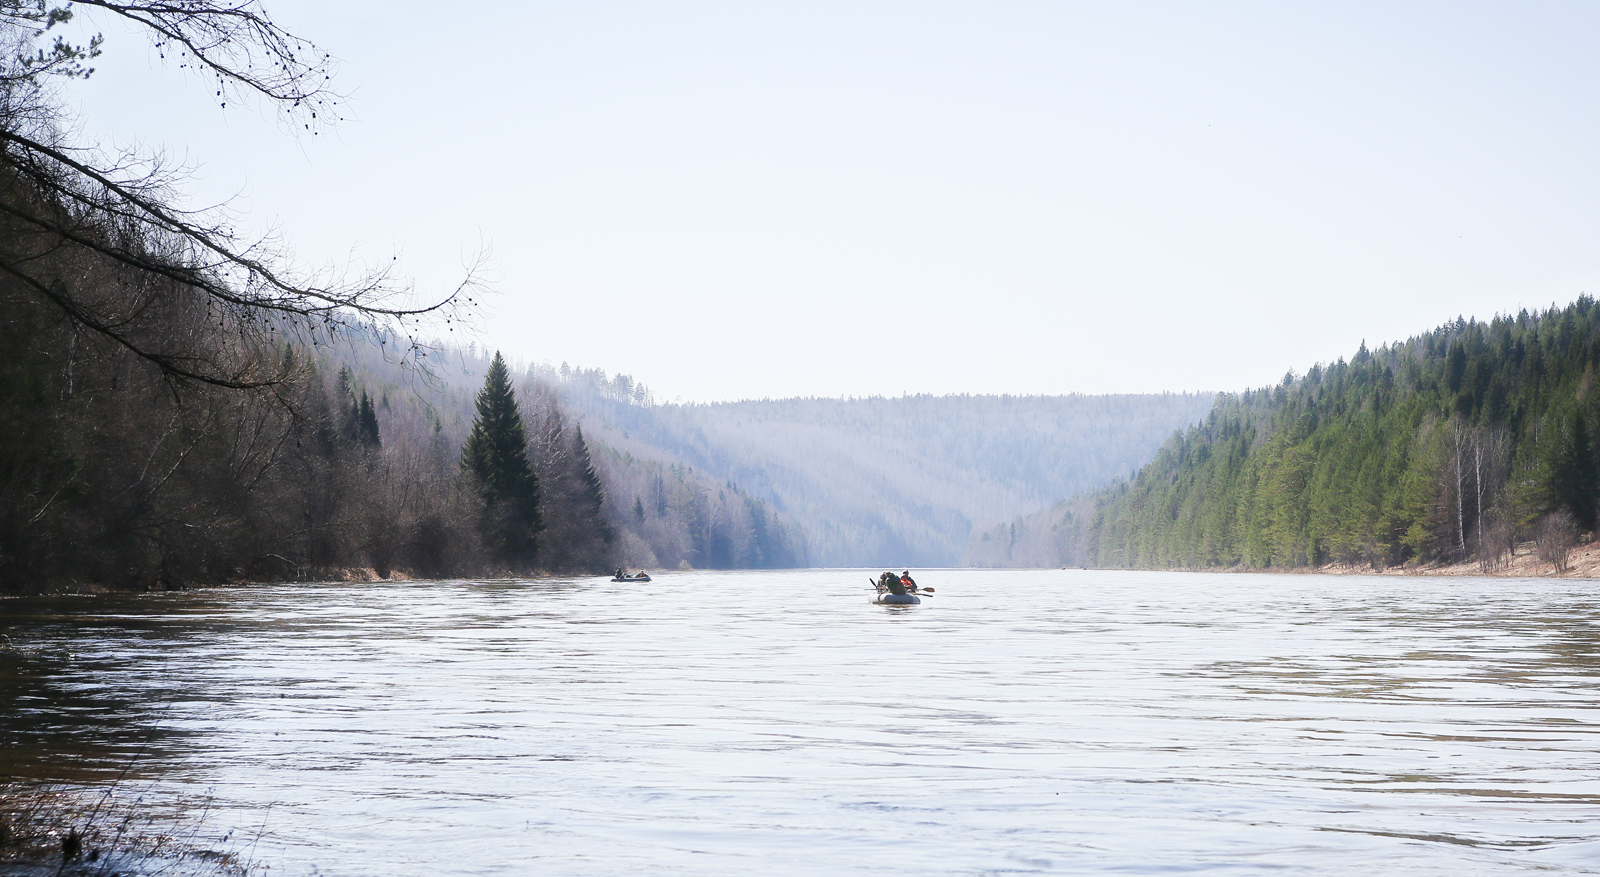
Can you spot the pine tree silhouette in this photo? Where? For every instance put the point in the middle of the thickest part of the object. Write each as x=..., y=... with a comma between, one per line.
x=367, y=423
x=591, y=495
x=496, y=459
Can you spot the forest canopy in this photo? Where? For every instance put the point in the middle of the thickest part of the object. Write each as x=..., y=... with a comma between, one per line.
x=1456, y=445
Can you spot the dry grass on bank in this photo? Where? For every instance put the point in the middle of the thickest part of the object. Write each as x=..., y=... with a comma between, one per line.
x=1584, y=563
x=49, y=831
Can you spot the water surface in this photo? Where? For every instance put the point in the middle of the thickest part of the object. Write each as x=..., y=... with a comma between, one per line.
x=719, y=724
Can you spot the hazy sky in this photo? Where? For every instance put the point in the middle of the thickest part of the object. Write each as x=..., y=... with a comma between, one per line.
x=733, y=200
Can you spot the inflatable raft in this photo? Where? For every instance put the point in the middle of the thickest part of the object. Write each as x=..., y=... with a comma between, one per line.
x=887, y=599
x=639, y=578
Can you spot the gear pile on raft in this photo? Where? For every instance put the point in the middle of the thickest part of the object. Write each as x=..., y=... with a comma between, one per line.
x=898, y=590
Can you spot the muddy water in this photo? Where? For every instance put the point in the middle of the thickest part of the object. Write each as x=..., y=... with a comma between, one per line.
x=1016, y=723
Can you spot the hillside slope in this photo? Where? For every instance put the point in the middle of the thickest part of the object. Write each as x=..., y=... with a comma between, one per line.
x=1454, y=445
x=889, y=482
x=662, y=513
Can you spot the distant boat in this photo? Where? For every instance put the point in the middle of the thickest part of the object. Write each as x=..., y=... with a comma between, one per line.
x=641, y=577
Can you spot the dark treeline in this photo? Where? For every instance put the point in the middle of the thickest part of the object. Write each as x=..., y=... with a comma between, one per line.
x=1456, y=445
x=113, y=474
x=178, y=409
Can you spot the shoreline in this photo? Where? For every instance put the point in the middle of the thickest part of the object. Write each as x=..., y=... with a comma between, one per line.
x=1584, y=563
x=341, y=575
x=55, y=829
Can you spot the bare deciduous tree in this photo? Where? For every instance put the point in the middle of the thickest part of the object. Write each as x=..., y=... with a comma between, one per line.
x=68, y=210
x=1556, y=535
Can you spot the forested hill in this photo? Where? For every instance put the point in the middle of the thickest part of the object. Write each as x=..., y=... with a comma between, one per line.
x=886, y=481
x=662, y=512
x=1456, y=444
x=183, y=404
x=351, y=460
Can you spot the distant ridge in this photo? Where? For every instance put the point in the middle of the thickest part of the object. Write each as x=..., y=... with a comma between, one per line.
x=898, y=481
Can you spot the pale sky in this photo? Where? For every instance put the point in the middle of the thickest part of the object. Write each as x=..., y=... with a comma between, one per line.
x=740, y=200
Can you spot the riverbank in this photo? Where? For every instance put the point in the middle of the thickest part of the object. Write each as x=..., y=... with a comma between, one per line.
x=349, y=575
x=48, y=830
x=341, y=574
x=1584, y=563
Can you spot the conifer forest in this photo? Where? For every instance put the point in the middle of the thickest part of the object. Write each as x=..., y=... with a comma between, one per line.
x=1457, y=445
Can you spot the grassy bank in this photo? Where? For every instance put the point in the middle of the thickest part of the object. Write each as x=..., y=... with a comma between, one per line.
x=54, y=830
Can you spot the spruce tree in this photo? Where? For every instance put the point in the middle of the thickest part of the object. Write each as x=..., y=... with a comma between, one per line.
x=349, y=407
x=591, y=496
x=1576, y=480
x=496, y=459
x=367, y=423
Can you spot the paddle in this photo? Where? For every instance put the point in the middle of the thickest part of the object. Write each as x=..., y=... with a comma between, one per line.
x=919, y=590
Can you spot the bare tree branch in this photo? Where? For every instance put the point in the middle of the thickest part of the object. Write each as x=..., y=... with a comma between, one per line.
x=73, y=216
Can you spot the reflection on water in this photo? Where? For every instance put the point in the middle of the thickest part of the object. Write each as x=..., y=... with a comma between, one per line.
x=1040, y=722
x=70, y=712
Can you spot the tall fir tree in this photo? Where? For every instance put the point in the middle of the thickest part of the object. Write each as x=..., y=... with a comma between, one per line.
x=349, y=407
x=1576, y=482
x=592, y=498
x=496, y=459
x=367, y=423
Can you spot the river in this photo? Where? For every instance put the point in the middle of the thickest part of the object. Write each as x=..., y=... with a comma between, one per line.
x=1035, y=722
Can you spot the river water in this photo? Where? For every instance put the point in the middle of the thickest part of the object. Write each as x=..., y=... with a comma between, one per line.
x=729, y=724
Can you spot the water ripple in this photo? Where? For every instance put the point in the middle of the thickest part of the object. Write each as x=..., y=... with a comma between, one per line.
x=1015, y=723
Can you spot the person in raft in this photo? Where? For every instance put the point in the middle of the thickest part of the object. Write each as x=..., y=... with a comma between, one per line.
x=909, y=583
x=891, y=583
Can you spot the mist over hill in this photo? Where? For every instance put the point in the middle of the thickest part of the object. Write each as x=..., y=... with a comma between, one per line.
x=885, y=481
